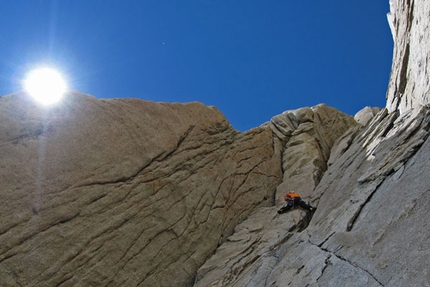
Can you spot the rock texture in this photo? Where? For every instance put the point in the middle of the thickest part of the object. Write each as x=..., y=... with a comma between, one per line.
x=409, y=84
x=135, y=193
x=123, y=192
x=127, y=192
x=307, y=134
x=370, y=228
x=364, y=116
x=112, y=192
x=365, y=232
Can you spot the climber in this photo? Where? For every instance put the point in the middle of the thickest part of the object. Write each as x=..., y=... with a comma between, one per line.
x=292, y=200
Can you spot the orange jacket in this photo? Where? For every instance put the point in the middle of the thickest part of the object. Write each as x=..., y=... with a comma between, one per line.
x=291, y=195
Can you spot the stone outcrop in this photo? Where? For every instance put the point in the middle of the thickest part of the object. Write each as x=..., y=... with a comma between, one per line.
x=307, y=134
x=98, y=192
x=123, y=192
x=409, y=85
x=364, y=116
x=134, y=193
x=370, y=227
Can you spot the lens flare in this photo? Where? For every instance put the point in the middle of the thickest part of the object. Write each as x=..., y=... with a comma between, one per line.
x=46, y=85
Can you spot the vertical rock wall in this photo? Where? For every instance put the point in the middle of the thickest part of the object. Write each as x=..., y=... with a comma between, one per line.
x=123, y=192
x=307, y=134
x=409, y=85
x=133, y=193
x=371, y=225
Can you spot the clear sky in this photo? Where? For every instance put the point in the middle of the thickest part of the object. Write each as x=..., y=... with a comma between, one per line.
x=252, y=59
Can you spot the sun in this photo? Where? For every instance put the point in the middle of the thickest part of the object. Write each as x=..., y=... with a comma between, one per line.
x=46, y=85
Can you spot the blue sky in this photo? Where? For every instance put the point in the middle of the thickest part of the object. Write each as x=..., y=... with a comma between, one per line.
x=251, y=59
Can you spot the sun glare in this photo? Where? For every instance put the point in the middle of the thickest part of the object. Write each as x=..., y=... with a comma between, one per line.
x=46, y=85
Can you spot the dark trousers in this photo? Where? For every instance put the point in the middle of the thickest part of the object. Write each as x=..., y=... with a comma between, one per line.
x=302, y=204
x=293, y=203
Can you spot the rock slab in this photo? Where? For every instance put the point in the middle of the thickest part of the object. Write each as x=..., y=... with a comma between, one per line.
x=371, y=226
x=123, y=192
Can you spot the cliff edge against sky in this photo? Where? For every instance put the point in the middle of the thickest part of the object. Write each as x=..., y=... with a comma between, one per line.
x=134, y=193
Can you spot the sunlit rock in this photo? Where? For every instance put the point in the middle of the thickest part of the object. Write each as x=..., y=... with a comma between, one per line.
x=134, y=193
x=409, y=85
x=370, y=227
x=364, y=116
x=124, y=192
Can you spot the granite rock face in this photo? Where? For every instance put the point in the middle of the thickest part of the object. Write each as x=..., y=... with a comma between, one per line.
x=307, y=134
x=370, y=227
x=123, y=192
x=371, y=223
x=409, y=85
x=127, y=192
x=364, y=116
x=135, y=193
